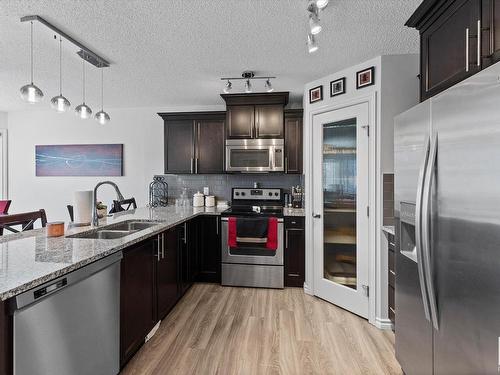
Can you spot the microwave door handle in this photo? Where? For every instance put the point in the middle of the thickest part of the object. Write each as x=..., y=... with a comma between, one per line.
x=272, y=151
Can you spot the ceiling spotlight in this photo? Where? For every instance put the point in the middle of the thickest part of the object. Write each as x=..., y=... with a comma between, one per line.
x=83, y=110
x=321, y=4
x=312, y=45
x=314, y=24
x=268, y=86
x=248, y=86
x=228, y=87
x=101, y=116
x=59, y=102
x=30, y=92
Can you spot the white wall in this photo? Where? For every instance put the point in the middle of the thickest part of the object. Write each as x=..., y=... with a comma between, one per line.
x=3, y=120
x=139, y=129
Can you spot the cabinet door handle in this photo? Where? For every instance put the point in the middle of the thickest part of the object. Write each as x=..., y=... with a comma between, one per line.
x=217, y=225
x=467, y=49
x=196, y=165
x=158, y=249
x=185, y=233
x=286, y=164
x=163, y=246
x=192, y=162
x=478, y=42
x=286, y=239
x=316, y=216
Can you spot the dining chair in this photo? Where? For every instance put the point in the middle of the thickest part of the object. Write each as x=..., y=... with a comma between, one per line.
x=25, y=220
x=123, y=205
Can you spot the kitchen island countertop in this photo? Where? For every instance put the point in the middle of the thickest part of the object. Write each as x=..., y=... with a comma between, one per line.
x=30, y=258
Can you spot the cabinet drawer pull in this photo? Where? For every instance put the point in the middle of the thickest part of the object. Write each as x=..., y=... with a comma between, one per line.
x=467, y=49
x=158, y=248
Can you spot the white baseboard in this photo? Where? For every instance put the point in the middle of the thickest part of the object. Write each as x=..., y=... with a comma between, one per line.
x=308, y=290
x=383, y=323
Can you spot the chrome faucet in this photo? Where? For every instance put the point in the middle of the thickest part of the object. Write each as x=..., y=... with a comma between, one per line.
x=119, y=196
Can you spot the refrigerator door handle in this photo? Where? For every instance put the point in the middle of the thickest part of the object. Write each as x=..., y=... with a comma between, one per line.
x=426, y=217
x=418, y=230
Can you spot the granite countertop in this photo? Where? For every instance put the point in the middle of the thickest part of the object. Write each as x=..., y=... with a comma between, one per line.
x=389, y=229
x=287, y=211
x=30, y=258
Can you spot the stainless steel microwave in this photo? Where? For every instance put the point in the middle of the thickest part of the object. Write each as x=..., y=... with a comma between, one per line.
x=255, y=155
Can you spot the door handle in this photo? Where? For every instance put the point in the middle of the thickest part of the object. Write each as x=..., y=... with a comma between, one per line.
x=185, y=233
x=418, y=231
x=158, y=248
x=217, y=225
x=192, y=160
x=426, y=217
x=196, y=166
x=286, y=164
x=163, y=246
x=467, y=49
x=316, y=216
x=286, y=239
x=478, y=42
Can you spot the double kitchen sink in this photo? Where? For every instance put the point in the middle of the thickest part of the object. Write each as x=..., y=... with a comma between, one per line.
x=117, y=230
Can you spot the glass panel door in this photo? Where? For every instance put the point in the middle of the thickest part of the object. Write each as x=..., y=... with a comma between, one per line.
x=339, y=202
x=340, y=199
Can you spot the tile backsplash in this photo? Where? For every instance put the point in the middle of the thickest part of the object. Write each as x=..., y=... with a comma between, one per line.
x=220, y=184
x=388, y=194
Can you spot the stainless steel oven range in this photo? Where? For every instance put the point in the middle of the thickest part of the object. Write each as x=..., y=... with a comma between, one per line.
x=251, y=264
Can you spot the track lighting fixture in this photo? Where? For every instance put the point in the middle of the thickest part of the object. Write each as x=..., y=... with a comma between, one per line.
x=248, y=86
x=314, y=7
x=312, y=45
x=101, y=116
x=247, y=76
x=30, y=92
x=83, y=110
x=321, y=4
x=228, y=87
x=268, y=86
x=59, y=102
x=314, y=24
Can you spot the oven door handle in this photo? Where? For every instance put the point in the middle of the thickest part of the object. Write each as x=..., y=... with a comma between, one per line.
x=225, y=219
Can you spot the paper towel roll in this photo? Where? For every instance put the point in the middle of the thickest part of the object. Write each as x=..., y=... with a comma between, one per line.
x=82, y=206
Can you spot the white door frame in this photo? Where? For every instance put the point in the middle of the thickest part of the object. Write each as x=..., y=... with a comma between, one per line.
x=4, y=186
x=308, y=165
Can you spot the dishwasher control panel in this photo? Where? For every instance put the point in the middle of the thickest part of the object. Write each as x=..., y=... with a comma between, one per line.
x=50, y=288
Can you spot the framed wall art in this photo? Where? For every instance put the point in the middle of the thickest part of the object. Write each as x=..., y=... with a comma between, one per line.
x=365, y=77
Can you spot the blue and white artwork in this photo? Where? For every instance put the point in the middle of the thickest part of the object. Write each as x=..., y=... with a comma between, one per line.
x=79, y=160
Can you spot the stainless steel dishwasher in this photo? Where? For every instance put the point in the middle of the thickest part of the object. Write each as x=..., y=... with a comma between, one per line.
x=71, y=325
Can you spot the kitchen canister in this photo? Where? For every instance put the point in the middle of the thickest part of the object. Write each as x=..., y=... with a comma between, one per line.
x=198, y=200
x=210, y=201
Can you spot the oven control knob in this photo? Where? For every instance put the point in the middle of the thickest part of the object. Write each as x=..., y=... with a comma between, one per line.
x=276, y=193
x=270, y=194
x=237, y=193
x=243, y=193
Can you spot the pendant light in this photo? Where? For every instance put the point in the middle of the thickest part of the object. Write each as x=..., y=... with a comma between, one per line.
x=248, y=86
x=83, y=110
x=268, y=86
x=228, y=87
x=59, y=102
x=321, y=4
x=101, y=116
x=314, y=24
x=30, y=92
x=312, y=45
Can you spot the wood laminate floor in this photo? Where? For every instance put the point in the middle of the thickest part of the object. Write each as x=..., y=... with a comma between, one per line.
x=224, y=330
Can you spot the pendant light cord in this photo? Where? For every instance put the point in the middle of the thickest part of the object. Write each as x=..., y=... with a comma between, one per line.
x=60, y=65
x=83, y=64
x=102, y=88
x=31, y=55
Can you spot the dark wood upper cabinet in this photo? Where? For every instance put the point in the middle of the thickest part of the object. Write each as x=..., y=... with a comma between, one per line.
x=451, y=35
x=166, y=273
x=490, y=32
x=294, y=251
x=293, y=141
x=256, y=115
x=209, y=146
x=179, y=146
x=240, y=121
x=194, y=142
x=137, y=297
x=269, y=121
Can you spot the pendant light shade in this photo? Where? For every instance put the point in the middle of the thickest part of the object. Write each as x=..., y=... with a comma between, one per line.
x=321, y=4
x=83, y=110
x=30, y=92
x=59, y=102
x=268, y=86
x=102, y=117
x=248, y=86
x=314, y=24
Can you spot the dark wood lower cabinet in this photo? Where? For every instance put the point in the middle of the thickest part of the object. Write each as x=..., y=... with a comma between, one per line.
x=166, y=273
x=392, y=278
x=6, y=340
x=208, y=249
x=137, y=297
x=294, y=251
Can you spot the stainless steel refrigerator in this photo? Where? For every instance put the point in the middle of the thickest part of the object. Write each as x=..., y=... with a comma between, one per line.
x=447, y=195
